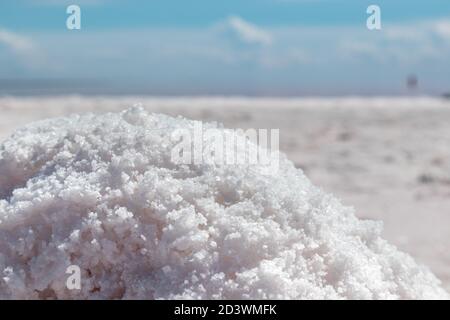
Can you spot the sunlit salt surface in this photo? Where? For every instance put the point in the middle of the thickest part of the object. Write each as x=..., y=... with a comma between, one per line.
x=101, y=193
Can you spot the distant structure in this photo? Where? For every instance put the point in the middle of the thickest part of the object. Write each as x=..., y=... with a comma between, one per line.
x=412, y=82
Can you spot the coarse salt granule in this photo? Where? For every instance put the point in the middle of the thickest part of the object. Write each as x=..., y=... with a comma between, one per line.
x=100, y=192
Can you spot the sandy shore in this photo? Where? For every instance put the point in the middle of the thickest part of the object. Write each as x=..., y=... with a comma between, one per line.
x=389, y=158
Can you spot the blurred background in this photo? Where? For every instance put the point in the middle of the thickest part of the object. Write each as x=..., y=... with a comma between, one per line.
x=233, y=47
x=365, y=113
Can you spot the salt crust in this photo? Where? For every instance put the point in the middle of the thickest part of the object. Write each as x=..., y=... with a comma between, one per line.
x=101, y=192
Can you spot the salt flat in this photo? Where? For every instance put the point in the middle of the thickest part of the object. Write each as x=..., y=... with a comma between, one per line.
x=387, y=157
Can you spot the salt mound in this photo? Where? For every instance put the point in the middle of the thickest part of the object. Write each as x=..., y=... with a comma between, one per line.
x=102, y=193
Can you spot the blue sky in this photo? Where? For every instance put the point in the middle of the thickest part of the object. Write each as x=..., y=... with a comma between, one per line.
x=233, y=47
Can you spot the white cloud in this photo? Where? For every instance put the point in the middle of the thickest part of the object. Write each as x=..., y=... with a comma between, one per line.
x=419, y=31
x=21, y=50
x=16, y=42
x=402, y=44
x=442, y=28
x=248, y=32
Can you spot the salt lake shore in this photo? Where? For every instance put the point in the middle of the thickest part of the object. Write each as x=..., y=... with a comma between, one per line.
x=99, y=191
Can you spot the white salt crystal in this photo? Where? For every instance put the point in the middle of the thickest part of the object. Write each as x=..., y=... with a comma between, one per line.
x=101, y=193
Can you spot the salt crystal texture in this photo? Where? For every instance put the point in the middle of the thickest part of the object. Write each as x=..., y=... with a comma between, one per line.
x=102, y=193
